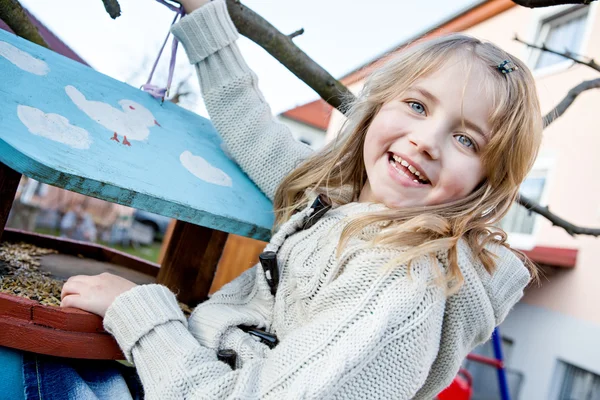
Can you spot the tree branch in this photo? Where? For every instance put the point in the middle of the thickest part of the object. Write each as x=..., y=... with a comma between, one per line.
x=566, y=54
x=112, y=8
x=555, y=219
x=548, y=3
x=297, y=33
x=283, y=49
x=13, y=14
x=565, y=103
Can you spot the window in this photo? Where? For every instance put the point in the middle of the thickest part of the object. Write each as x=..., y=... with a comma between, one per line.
x=520, y=224
x=577, y=383
x=519, y=219
x=560, y=32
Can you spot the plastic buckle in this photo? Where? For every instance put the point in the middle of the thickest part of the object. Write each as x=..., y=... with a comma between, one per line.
x=267, y=338
x=320, y=206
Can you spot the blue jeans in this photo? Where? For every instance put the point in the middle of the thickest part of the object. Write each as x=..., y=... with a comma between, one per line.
x=29, y=376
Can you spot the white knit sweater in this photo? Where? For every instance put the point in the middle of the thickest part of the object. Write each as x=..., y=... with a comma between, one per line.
x=348, y=328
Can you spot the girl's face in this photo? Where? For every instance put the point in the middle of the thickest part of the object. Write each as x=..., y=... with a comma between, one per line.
x=417, y=152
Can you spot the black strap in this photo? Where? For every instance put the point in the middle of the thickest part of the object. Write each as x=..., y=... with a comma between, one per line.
x=227, y=356
x=267, y=338
x=268, y=261
x=320, y=206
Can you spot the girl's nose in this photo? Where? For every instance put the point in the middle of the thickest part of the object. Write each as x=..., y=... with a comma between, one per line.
x=427, y=143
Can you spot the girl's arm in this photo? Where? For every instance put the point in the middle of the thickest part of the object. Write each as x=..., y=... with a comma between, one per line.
x=263, y=147
x=370, y=334
x=247, y=300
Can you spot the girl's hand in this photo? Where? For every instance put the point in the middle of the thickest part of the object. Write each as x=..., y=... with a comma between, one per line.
x=93, y=293
x=190, y=5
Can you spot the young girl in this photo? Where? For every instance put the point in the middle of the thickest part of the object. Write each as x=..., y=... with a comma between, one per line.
x=380, y=296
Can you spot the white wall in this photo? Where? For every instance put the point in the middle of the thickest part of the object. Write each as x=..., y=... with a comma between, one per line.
x=542, y=338
x=314, y=136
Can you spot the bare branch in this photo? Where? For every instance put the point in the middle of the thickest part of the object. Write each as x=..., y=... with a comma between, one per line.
x=566, y=54
x=13, y=14
x=112, y=8
x=283, y=49
x=555, y=219
x=297, y=33
x=548, y=3
x=565, y=103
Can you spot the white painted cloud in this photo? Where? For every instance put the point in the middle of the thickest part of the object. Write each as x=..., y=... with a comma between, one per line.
x=54, y=127
x=204, y=170
x=23, y=60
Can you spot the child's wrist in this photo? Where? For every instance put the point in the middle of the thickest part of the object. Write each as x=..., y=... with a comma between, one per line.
x=192, y=5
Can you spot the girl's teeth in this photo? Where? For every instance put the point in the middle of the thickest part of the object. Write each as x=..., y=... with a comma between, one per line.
x=406, y=164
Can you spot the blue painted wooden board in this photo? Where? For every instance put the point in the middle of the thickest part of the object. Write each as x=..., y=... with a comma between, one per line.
x=67, y=125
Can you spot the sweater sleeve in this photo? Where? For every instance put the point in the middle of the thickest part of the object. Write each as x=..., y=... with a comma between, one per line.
x=379, y=344
x=247, y=300
x=263, y=147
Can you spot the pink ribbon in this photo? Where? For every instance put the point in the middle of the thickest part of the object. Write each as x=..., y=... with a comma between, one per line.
x=153, y=90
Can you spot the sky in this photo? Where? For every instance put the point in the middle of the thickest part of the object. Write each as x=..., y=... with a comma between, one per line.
x=340, y=35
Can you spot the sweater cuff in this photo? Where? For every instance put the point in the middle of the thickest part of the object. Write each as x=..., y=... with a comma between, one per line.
x=138, y=311
x=510, y=279
x=205, y=31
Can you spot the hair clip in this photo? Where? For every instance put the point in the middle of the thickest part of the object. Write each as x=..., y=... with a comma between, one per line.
x=507, y=66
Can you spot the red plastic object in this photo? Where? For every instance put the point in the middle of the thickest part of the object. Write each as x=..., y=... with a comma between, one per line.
x=460, y=388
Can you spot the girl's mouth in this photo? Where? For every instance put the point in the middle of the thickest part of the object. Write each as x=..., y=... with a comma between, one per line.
x=403, y=167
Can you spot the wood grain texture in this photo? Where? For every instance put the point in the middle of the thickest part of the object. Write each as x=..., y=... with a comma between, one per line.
x=162, y=167
x=28, y=336
x=239, y=254
x=66, y=319
x=190, y=262
x=9, y=182
x=62, y=332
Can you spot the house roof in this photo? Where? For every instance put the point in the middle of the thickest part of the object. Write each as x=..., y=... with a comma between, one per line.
x=53, y=41
x=318, y=112
x=556, y=257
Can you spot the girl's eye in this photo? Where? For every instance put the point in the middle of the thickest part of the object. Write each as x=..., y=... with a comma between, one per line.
x=465, y=141
x=417, y=107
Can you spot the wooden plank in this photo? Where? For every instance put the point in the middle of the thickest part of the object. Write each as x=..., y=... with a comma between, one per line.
x=9, y=182
x=16, y=307
x=166, y=240
x=60, y=122
x=239, y=254
x=190, y=261
x=19, y=334
x=67, y=319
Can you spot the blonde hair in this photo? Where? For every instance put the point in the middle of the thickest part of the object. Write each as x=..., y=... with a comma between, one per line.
x=516, y=126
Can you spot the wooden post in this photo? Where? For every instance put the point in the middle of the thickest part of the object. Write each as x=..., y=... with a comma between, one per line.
x=166, y=241
x=190, y=261
x=9, y=182
x=239, y=254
